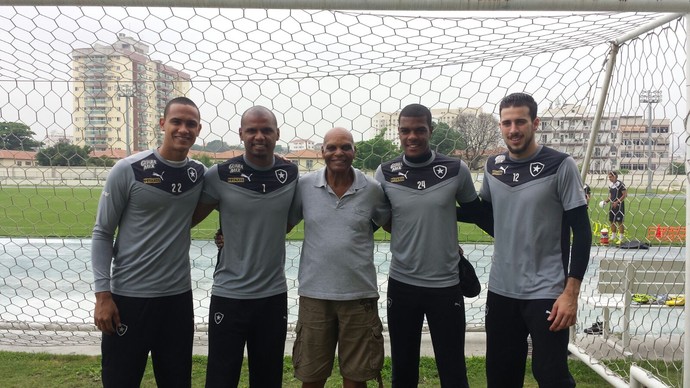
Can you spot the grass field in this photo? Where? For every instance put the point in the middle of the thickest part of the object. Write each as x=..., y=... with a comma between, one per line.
x=70, y=212
x=29, y=370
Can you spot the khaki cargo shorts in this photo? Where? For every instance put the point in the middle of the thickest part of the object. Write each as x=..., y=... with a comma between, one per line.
x=353, y=325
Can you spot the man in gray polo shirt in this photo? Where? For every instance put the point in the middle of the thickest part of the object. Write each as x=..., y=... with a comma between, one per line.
x=253, y=193
x=337, y=278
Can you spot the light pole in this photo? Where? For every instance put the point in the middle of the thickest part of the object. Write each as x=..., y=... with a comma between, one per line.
x=127, y=92
x=649, y=97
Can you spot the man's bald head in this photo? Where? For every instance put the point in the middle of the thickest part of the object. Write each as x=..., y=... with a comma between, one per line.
x=260, y=111
x=338, y=131
x=259, y=132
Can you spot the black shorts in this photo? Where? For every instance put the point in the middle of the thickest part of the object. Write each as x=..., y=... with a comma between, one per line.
x=261, y=326
x=616, y=216
x=163, y=326
x=508, y=323
x=444, y=309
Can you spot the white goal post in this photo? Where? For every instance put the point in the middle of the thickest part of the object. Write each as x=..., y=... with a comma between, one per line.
x=388, y=5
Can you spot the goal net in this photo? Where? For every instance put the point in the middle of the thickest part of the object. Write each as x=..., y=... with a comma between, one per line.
x=81, y=87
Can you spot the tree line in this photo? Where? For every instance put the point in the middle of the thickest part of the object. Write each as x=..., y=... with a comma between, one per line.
x=19, y=137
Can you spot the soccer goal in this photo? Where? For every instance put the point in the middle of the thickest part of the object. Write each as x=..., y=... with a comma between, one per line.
x=83, y=86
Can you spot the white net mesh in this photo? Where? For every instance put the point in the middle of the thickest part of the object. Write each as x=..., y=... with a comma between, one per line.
x=98, y=77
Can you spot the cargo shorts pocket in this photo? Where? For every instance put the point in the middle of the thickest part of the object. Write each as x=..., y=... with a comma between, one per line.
x=297, y=347
x=376, y=347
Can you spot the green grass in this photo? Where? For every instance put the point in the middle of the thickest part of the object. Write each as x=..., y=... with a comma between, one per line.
x=71, y=212
x=641, y=211
x=30, y=370
x=47, y=212
x=61, y=212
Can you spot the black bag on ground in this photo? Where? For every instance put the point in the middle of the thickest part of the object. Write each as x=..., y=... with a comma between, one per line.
x=634, y=244
x=469, y=282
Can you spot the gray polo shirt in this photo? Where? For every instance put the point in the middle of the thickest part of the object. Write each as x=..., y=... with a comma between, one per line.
x=337, y=261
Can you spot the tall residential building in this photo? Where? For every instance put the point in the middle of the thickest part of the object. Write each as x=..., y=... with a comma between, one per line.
x=119, y=95
x=620, y=144
x=389, y=121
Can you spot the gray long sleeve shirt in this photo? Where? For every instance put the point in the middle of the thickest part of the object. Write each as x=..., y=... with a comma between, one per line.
x=149, y=203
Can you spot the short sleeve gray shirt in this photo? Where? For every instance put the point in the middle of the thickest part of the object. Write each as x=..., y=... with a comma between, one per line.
x=337, y=261
x=254, y=204
x=424, y=235
x=532, y=241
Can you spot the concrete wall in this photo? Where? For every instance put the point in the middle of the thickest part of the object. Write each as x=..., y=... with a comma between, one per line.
x=53, y=176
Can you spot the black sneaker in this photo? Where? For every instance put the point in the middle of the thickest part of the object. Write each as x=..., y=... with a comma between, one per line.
x=596, y=329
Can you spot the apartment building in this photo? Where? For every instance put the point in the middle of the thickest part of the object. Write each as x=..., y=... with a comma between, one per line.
x=298, y=144
x=620, y=144
x=635, y=150
x=119, y=95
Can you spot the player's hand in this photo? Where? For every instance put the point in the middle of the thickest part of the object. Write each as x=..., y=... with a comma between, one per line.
x=564, y=312
x=219, y=239
x=106, y=315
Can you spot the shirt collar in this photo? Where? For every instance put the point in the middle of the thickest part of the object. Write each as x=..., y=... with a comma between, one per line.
x=359, y=183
